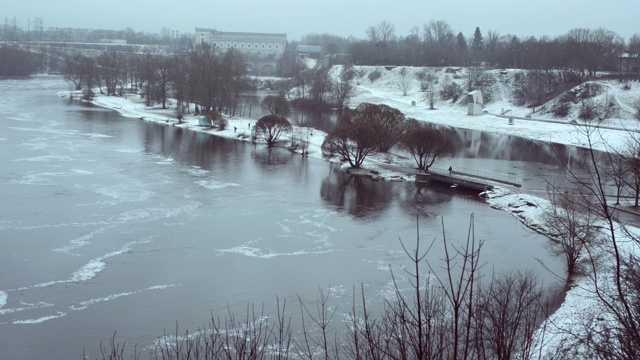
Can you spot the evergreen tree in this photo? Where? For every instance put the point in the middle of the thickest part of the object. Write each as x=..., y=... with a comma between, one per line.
x=462, y=49
x=477, y=45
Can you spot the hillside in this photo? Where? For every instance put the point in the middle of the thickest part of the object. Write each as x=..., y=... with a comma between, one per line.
x=547, y=98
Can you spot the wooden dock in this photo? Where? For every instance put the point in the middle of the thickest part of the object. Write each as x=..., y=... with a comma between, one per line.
x=453, y=180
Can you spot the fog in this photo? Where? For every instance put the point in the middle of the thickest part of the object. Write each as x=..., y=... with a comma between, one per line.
x=339, y=17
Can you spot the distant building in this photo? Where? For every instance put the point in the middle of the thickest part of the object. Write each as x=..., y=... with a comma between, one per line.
x=114, y=41
x=629, y=63
x=309, y=51
x=261, y=51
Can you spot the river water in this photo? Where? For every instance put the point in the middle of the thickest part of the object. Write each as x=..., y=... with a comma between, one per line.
x=112, y=224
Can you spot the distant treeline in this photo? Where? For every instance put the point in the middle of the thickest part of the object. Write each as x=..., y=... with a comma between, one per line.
x=583, y=50
x=16, y=62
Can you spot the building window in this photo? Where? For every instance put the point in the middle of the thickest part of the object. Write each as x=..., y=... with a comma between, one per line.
x=235, y=45
x=277, y=46
x=263, y=46
x=269, y=46
x=242, y=45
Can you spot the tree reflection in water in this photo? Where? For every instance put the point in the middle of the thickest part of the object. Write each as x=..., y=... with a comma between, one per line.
x=359, y=196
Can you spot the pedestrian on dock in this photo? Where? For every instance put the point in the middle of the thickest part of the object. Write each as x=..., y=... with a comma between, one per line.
x=450, y=170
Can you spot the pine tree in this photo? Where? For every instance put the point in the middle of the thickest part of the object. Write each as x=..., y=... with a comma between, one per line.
x=477, y=45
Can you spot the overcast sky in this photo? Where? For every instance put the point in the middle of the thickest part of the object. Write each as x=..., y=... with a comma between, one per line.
x=340, y=17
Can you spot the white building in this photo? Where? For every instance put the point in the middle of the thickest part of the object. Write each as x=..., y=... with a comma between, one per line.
x=261, y=51
x=475, y=101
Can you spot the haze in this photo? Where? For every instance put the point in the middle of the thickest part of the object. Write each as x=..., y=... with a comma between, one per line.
x=339, y=17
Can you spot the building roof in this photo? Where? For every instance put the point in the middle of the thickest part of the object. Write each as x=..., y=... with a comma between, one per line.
x=239, y=33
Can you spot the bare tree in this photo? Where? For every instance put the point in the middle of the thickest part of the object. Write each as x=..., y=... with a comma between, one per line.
x=342, y=88
x=320, y=85
x=351, y=142
x=321, y=318
x=72, y=71
x=382, y=34
x=615, y=333
x=163, y=65
x=631, y=155
x=205, y=79
x=618, y=173
x=388, y=120
x=426, y=145
x=275, y=105
x=270, y=128
x=111, y=69
x=405, y=81
x=232, y=80
x=510, y=311
x=571, y=227
x=149, y=78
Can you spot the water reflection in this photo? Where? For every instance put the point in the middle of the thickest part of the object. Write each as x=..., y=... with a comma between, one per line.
x=360, y=197
x=271, y=159
x=423, y=200
x=196, y=148
x=321, y=120
x=483, y=145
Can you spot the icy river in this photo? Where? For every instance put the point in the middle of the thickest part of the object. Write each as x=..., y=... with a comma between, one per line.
x=112, y=224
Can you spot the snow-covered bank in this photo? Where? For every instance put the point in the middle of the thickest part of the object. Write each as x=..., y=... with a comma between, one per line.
x=579, y=303
x=389, y=89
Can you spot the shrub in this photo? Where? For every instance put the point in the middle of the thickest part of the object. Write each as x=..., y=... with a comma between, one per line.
x=222, y=123
x=375, y=75
x=561, y=110
x=450, y=91
x=587, y=110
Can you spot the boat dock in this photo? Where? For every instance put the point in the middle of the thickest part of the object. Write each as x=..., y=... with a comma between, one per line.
x=467, y=178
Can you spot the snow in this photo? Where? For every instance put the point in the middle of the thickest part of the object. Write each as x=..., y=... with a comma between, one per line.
x=389, y=88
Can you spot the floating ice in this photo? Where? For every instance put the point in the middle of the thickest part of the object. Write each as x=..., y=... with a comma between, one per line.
x=26, y=307
x=84, y=304
x=45, y=158
x=99, y=136
x=266, y=254
x=88, y=271
x=40, y=320
x=213, y=185
x=3, y=298
x=123, y=193
x=197, y=171
x=78, y=242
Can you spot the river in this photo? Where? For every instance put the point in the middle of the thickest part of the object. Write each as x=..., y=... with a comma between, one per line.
x=113, y=224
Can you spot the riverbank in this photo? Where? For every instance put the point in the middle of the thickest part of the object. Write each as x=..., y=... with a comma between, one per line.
x=580, y=302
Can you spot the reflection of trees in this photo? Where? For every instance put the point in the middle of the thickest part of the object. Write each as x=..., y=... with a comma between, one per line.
x=421, y=199
x=192, y=147
x=321, y=120
x=478, y=144
x=270, y=159
x=361, y=197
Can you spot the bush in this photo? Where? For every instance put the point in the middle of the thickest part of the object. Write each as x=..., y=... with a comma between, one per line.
x=587, y=110
x=450, y=91
x=222, y=123
x=88, y=95
x=375, y=75
x=561, y=110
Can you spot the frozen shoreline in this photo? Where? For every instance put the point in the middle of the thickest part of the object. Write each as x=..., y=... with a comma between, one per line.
x=579, y=300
